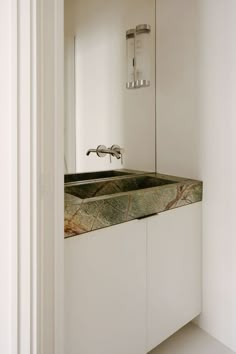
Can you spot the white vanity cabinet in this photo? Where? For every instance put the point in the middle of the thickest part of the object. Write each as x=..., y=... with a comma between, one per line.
x=130, y=286
x=105, y=291
x=173, y=271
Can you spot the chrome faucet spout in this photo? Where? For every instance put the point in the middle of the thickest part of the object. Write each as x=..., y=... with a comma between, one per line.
x=91, y=150
x=102, y=151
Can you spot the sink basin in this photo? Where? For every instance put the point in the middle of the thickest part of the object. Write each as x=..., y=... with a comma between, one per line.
x=96, y=204
x=97, y=189
x=78, y=177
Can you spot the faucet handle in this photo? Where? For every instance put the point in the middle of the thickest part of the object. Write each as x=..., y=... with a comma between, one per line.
x=119, y=150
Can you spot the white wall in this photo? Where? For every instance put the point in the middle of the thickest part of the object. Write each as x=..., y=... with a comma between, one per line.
x=5, y=180
x=106, y=112
x=196, y=135
x=69, y=101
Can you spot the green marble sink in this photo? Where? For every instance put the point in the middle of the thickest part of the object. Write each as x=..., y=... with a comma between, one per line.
x=92, y=205
x=97, y=189
x=77, y=177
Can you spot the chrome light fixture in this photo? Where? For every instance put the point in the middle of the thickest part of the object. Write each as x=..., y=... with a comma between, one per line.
x=138, y=57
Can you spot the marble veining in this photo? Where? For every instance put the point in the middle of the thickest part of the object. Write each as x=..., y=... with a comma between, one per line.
x=92, y=206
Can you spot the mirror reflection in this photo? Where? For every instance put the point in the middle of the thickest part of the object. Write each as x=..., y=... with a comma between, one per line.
x=109, y=85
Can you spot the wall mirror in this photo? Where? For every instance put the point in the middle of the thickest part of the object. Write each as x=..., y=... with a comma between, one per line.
x=109, y=84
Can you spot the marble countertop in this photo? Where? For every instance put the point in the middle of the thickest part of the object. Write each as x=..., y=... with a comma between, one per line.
x=107, y=205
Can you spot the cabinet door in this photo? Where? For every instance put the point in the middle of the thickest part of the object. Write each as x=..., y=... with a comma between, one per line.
x=105, y=291
x=174, y=271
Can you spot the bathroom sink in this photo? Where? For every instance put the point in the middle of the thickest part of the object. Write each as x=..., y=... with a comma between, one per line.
x=96, y=204
x=78, y=177
x=97, y=189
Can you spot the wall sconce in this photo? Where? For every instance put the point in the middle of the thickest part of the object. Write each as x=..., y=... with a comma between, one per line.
x=138, y=57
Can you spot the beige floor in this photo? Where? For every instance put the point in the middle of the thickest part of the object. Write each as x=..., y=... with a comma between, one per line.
x=191, y=340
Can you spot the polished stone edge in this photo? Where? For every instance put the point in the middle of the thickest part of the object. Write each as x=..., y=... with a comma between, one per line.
x=82, y=216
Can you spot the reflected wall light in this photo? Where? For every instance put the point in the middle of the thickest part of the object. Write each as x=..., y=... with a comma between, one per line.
x=138, y=56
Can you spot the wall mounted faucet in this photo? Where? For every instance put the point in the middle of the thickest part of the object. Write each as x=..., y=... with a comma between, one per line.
x=102, y=151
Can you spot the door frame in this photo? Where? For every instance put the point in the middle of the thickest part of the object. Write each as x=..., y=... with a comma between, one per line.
x=37, y=176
